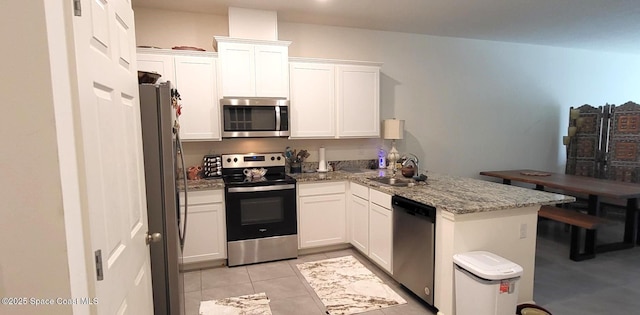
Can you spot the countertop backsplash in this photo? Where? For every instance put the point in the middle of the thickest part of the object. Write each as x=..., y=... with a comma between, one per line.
x=309, y=167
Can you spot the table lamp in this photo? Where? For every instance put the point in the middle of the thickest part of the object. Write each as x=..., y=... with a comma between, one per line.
x=393, y=130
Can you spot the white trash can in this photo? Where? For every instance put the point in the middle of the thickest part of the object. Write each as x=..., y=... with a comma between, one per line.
x=485, y=284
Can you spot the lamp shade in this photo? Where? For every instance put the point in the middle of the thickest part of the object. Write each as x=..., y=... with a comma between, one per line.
x=393, y=129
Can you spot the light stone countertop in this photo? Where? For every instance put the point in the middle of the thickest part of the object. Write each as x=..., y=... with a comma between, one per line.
x=458, y=195
x=202, y=184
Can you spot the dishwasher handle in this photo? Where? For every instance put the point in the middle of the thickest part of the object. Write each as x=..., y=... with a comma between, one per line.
x=414, y=208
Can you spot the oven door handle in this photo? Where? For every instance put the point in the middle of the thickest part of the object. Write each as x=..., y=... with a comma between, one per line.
x=262, y=188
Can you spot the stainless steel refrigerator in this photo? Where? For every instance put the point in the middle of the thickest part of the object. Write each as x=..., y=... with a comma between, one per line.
x=162, y=159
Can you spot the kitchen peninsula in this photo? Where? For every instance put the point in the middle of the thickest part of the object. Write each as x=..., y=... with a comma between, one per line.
x=471, y=214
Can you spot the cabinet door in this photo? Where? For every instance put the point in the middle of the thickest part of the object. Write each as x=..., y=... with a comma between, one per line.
x=359, y=210
x=206, y=233
x=237, y=62
x=380, y=236
x=162, y=64
x=322, y=220
x=312, y=100
x=271, y=71
x=197, y=83
x=358, y=103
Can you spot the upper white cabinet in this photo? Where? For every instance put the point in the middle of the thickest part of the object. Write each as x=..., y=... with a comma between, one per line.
x=253, y=68
x=161, y=63
x=358, y=102
x=194, y=74
x=312, y=113
x=330, y=99
x=197, y=84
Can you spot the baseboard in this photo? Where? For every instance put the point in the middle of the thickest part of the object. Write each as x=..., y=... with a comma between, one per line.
x=322, y=249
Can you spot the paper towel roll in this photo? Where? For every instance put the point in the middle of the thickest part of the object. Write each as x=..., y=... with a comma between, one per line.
x=322, y=162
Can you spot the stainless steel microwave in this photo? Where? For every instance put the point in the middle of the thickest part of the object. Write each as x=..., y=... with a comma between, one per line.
x=255, y=117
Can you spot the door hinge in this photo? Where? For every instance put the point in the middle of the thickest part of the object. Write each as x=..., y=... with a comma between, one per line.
x=77, y=8
x=99, y=271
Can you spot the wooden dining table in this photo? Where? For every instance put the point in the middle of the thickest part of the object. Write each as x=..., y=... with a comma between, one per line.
x=595, y=189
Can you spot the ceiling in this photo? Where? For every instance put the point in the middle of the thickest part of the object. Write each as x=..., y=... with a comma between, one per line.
x=604, y=25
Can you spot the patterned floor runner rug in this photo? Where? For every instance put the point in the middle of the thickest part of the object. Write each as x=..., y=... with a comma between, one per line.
x=254, y=304
x=345, y=286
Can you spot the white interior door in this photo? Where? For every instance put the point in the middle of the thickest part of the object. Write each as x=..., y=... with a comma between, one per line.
x=113, y=172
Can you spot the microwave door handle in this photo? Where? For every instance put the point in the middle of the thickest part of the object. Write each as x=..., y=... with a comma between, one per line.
x=277, y=118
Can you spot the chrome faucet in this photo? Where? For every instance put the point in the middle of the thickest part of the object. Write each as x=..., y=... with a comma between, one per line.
x=410, y=157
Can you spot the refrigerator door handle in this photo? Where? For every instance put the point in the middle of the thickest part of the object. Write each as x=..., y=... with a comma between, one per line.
x=182, y=233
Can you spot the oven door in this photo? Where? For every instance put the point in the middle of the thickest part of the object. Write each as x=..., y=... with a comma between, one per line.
x=261, y=211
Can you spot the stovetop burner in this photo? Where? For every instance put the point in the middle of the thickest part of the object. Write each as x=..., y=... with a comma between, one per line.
x=233, y=166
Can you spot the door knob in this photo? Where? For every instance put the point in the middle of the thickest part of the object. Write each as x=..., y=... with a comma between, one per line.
x=152, y=238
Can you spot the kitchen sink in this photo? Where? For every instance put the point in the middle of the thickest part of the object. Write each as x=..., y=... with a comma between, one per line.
x=398, y=182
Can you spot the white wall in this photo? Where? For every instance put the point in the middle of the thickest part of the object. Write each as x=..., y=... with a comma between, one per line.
x=34, y=261
x=469, y=105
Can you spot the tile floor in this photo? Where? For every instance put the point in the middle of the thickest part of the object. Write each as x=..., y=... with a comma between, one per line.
x=611, y=281
x=289, y=293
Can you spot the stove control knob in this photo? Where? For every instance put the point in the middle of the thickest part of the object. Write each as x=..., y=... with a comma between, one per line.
x=272, y=158
x=235, y=160
x=279, y=158
x=228, y=160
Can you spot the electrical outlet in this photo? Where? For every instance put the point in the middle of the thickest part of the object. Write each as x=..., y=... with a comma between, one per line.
x=523, y=230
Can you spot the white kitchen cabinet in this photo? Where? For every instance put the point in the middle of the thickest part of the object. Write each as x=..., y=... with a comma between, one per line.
x=253, y=68
x=194, y=74
x=206, y=237
x=159, y=63
x=359, y=220
x=312, y=91
x=196, y=81
x=334, y=99
x=321, y=214
x=358, y=101
x=380, y=235
x=371, y=224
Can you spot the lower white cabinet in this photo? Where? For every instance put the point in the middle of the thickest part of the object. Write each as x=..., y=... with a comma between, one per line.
x=359, y=219
x=321, y=214
x=371, y=224
x=380, y=235
x=206, y=237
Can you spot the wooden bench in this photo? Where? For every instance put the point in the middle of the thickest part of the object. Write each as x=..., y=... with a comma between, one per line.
x=577, y=220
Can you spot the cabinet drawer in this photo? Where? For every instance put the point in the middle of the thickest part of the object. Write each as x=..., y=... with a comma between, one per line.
x=203, y=196
x=359, y=190
x=380, y=198
x=313, y=189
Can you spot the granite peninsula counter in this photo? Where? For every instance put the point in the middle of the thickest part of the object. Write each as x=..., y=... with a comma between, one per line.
x=457, y=195
x=471, y=214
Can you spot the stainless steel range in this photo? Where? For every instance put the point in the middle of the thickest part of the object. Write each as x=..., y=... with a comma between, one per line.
x=260, y=210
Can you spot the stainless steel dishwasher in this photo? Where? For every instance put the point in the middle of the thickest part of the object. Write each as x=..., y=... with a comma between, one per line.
x=413, y=246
